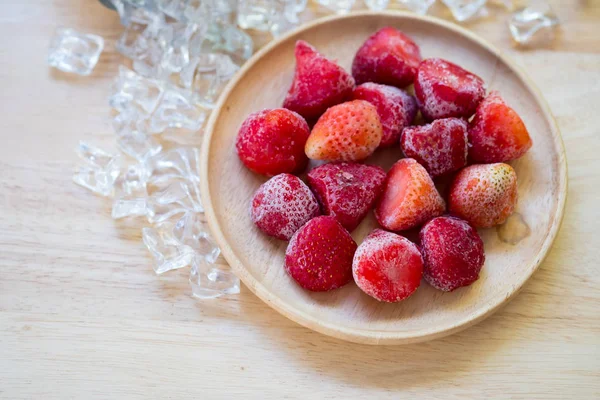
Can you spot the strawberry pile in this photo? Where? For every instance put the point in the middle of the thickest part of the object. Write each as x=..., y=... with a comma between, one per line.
x=464, y=138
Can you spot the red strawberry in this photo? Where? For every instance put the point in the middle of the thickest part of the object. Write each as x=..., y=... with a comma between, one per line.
x=389, y=57
x=440, y=147
x=319, y=255
x=484, y=195
x=387, y=267
x=347, y=191
x=497, y=133
x=396, y=108
x=271, y=142
x=347, y=132
x=446, y=90
x=409, y=198
x=283, y=204
x=318, y=83
x=452, y=251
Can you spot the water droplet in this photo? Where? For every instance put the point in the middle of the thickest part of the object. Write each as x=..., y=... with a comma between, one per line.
x=513, y=230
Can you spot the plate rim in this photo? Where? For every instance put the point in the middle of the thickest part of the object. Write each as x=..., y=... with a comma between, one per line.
x=366, y=336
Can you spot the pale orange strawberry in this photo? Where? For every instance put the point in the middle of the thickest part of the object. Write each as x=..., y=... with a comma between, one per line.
x=409, y=198
x=484, y=195
x=347, y=132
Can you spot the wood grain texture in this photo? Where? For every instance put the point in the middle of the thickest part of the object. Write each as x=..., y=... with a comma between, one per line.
x=82, y=314
x=346, y=313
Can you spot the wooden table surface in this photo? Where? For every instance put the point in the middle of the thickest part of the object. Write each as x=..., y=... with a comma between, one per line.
x=82, y=314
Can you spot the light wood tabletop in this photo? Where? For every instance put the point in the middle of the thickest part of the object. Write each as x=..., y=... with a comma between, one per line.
x=82, y=314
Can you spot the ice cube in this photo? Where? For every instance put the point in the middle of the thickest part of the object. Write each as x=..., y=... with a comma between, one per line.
x=255, y=14
x=176, y=110
x=191, y=230
x=130, y=87
x=338, y=6
x=210, y=280
x=100, y=171
x=75, y=52
x=463, y=10
x=377, y=5
x=417, y=6
x=138, y=145
x=535, y=22
x=168, y=254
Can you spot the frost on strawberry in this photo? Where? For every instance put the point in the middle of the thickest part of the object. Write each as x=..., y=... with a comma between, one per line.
x=318, y=84
x=441, y=147
x=452, y=251
x=319, y=255
x=389, y=57
x=445, y=90
x=347, y=191
x=283, y=204
x=271, y=142
x=387, y=266
x=396, y=108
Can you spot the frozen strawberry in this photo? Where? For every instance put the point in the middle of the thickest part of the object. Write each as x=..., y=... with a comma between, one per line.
x=347, y=191
x=318, y=83
x=409, y=198
x=389, y=57
x=347, y=132
x=319, y=255
x=440, y=147
x=387, y=266
x=484, y=195
x=446, y=90
x=283, y=204
x=497, y=133
x=271, y=142
x=395, y=107
x=452, y=251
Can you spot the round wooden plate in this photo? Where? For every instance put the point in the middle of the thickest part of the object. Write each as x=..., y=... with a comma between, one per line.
x=347, y=313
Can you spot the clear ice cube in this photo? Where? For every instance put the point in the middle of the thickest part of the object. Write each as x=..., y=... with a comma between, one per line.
x=176, y=198
x=75, y=52
x=209, y=11
x=167, y=252
x=173, y=8
x=123, y=207
x=191, y=230
x=138, y=11
x=417, y=6
x=463, y=10
x=130, y=119
x=210, y=280
x=285, y=16
x=130, y=87
x=255, y=14
x=131, y=192
x=149, y=63
x=338, y=6
x=176, y=110
x=228, y=39
x=133, y=43
x=207, y=75
x=100, y=171
x=175, y=42
x=376, y=5
x=179, y=163
x=536, y=21
x=138, y=145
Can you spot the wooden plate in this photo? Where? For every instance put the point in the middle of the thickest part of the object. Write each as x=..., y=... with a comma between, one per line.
x=227, y=188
